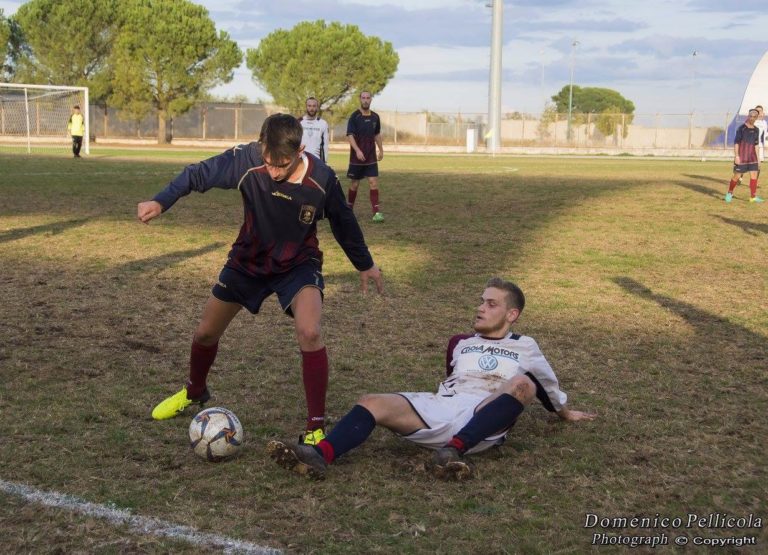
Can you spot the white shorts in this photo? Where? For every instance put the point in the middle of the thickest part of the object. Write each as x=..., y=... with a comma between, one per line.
x=445, y=416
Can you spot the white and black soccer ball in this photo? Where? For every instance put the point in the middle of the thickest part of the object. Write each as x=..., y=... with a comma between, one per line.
x=215, y=434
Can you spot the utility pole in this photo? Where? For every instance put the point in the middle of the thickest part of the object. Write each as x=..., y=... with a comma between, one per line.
x=494, y=87
x=574, y=44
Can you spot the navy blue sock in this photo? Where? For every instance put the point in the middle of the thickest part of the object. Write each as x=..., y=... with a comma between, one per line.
x=352, y=430
x=494, y=417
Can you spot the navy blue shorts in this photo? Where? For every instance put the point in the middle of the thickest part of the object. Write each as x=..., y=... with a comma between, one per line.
x=746, y=168
x=248, y=291
x=356, y=173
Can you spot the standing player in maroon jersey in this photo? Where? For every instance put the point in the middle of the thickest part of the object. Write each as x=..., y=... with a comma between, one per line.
x=285, y=193
x=364, y=136
x=745, y=157
x=492, y=375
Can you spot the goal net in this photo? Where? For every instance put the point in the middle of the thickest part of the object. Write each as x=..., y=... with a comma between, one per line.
x=35, y=118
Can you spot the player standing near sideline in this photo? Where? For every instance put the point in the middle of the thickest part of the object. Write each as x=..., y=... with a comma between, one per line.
x=285, y=193
x=315, y=138
x=492, y=375
x=364, y=136
x=745, y=157
x=76, y=130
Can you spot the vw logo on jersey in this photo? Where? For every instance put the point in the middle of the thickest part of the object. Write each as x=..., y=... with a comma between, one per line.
x=488, y=363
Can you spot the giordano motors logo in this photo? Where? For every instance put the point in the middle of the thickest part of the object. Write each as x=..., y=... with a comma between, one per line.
x=493, y=350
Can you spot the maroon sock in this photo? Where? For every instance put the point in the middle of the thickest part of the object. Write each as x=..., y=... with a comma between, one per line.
x=351, y=196
x=326, y=450
x=375, y=200
x=753, y=187
x=200, y=361
x=732, y=185
x=314, y=367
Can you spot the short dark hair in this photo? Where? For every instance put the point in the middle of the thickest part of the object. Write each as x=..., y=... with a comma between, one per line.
x=281, y=136
x=752, y=110
x=758, y=106
x=76, y=107
x=515, y=297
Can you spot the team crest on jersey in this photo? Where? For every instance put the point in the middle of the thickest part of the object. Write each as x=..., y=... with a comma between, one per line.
x=488, y=363
x=307, y=213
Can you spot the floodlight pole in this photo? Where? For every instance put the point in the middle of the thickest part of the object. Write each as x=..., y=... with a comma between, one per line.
x=693, y=78
x=494, y=87
x=574, y=44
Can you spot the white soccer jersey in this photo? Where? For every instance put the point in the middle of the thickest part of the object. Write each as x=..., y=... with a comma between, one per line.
x=315, y=138
x=762, y=125
x=480, y=365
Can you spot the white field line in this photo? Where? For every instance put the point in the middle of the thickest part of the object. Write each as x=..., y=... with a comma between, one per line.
x=137, y=524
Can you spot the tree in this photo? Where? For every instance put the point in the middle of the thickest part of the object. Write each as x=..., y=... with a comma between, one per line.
x=166, y=56
x=330, y=61
x=5, y=54
x=607, y=103
x=65, y=42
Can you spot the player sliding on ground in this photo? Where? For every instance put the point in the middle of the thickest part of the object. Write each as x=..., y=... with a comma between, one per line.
x=492, y=375
x=285, y=192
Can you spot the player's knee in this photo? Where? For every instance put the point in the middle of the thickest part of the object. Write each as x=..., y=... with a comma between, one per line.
x=308, y=336
x=522, y=388
x=375, y=404
x=205, y=337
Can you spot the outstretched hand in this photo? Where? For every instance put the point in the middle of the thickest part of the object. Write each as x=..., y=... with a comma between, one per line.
x=373, y=273
x=149, y=210
x=576, y=415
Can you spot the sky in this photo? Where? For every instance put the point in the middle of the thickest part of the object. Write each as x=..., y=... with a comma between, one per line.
x=667, y=57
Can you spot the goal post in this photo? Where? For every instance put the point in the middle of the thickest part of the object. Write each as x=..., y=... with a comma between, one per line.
x=34, y=118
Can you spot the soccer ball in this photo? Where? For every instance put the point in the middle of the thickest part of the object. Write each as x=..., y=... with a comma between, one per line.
x=215, y=434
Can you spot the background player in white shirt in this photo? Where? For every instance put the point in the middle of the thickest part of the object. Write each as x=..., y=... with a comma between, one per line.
x=762, y=125
x=316, y=137
x=492, y=375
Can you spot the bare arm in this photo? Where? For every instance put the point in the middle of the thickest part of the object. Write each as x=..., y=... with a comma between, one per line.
x=353, y=144
x=381, y=147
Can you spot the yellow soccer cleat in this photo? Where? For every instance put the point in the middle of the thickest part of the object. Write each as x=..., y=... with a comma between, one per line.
x=175, y=404
x=312, y=437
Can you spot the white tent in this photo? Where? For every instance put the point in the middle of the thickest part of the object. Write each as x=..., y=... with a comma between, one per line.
x=757, y=88
x=755, y=93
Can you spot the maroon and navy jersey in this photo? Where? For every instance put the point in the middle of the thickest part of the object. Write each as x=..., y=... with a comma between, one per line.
x=747, y=138
x=478, y=365
x=364, y=129
x=279, y=229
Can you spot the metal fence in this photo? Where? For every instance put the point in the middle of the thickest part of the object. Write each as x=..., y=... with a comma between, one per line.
x=242, y=122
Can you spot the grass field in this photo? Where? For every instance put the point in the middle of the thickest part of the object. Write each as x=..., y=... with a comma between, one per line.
x=646, y=292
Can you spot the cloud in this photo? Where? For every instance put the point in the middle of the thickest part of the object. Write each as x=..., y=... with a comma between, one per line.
x=742, y=6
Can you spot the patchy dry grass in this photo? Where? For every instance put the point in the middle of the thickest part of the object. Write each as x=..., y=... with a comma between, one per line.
x=645, y=291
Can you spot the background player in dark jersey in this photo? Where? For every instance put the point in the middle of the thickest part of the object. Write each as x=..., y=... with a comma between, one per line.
x=492, y=375
x=364, y=136
x=745, y=157
x=284, y=194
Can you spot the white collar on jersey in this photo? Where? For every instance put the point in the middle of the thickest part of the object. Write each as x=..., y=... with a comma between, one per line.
x=304, y=171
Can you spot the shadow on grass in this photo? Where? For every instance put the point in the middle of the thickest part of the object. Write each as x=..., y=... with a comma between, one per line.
x=716, y=328
x=721, y=182
x=166, y=260
x=716, y=194
x=53, y=229
x=750, y=228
